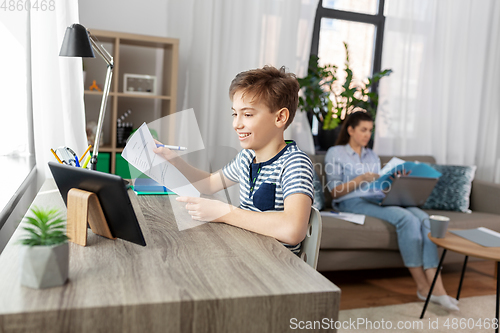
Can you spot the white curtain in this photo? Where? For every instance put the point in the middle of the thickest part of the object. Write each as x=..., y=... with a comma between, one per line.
x=220, y=38
x=443, y=97
x=57, y=86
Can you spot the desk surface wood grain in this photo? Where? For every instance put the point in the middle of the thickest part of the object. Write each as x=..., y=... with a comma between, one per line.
x=211, y=278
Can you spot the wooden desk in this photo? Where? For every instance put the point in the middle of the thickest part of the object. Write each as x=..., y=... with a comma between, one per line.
x=212, y=278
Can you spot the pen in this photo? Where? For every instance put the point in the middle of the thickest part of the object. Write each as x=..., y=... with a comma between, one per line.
x=171, y=147
x=84, y=165
x=81, y=158
x=55, y=155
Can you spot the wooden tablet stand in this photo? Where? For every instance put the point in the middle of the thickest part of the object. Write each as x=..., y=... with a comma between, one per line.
x=83, y=208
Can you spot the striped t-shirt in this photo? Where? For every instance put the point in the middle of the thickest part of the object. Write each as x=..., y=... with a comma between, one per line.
x=264, y=186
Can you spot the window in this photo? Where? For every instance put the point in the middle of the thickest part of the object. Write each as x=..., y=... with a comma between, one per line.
x=357, y=6
x=16, y=82
x=359, y=23
x=16, y=159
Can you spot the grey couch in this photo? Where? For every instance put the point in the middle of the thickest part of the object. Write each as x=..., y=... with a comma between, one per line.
x=348, y=246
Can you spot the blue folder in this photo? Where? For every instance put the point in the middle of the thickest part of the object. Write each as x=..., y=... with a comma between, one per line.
x=417, y=170
x=148, y=186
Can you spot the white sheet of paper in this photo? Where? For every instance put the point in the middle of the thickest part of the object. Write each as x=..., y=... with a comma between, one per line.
x=390, y=165
x=489, y=231
x=139, y=153
x=350, y=217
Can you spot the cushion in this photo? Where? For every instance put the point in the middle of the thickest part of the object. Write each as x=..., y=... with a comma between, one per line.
x=319, y=199
x=452, y=191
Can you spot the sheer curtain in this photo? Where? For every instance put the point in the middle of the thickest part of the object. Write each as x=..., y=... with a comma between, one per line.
x=57, y=86
x=220, y=38
x=442, y=98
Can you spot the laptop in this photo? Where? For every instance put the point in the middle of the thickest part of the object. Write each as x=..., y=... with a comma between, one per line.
x=409, y=191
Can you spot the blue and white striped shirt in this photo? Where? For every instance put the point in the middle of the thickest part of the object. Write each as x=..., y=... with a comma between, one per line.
x=264, y=186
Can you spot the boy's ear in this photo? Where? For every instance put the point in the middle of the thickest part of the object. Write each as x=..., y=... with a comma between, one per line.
x=282, y=117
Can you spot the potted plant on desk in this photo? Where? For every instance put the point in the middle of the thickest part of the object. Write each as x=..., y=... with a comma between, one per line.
x=324, y=97
x=45, y=251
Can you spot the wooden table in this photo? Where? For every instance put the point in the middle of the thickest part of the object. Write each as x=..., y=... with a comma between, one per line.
x=212, y=278
x=461, y=245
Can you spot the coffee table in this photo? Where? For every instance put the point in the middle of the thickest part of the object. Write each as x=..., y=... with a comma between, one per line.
x=463, y=246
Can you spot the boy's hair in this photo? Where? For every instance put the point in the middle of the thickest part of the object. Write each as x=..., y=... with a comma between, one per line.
x=275, y=87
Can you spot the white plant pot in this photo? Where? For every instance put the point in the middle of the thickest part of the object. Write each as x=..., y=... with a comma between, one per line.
x=44, y=266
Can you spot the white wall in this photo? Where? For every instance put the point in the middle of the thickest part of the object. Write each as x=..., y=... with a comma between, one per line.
x=147, y=17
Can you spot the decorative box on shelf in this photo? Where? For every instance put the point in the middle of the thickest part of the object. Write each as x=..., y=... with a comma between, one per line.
x=139, y=84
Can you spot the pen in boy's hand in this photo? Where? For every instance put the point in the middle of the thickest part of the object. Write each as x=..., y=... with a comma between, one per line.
x=171, y=147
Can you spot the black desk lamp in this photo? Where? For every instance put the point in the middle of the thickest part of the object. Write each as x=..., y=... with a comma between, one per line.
x=78, y=42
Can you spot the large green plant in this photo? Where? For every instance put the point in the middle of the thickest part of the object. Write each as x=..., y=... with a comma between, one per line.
x=46, y=227
x=329, y=101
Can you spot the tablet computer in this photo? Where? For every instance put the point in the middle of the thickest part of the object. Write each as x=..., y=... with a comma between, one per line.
x=113, y=197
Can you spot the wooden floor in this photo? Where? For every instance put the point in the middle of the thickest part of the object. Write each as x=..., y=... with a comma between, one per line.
x=369, y=288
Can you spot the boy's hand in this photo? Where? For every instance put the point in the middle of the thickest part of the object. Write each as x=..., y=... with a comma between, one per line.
x=168, y=154
x=202, y=209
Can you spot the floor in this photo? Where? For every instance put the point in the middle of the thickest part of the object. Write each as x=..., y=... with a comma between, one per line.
x=369, y=288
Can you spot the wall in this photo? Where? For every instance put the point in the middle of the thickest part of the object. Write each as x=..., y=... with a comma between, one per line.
x=147, y=17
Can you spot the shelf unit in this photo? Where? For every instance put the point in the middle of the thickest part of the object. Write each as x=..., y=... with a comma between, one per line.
x=134, y=54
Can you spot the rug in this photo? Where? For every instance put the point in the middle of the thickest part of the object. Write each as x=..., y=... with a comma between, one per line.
x=477, y=314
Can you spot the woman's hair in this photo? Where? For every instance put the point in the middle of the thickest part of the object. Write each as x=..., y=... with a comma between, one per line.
x=352, y=120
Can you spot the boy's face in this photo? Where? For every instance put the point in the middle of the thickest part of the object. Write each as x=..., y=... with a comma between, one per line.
x=255, y=124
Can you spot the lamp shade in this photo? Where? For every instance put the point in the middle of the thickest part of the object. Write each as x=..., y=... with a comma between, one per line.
x=76, y=43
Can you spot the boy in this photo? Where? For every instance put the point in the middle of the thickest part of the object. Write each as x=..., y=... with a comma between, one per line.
x=273, y=175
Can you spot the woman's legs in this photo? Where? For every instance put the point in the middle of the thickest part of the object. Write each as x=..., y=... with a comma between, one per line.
x=417, y=250
x=423, y=279
x=429, y=256
x=429, y=252
x=407, y=227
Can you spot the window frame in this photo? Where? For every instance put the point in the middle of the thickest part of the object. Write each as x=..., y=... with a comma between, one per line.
x=378, y=20
x=22, y=197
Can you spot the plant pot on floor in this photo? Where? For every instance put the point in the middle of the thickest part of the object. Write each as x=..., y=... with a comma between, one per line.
x=327, y=138
x=44, y=266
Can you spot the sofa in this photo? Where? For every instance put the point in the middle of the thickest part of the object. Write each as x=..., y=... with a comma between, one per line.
x=349, y=246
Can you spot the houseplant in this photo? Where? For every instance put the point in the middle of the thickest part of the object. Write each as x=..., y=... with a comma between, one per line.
x=330, y=101
x=45, y=251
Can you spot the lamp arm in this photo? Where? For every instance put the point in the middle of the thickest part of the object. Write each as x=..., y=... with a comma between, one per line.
x=102, y=112
x=101, y=50
x=105, y=93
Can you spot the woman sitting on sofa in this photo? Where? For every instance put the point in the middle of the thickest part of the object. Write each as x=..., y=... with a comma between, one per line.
x=349, y=164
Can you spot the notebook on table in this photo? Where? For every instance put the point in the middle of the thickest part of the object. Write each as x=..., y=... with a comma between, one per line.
x=482, y=236
x=147, y=186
